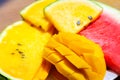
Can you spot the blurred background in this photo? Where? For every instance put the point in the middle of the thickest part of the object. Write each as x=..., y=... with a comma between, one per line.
x=9, y=11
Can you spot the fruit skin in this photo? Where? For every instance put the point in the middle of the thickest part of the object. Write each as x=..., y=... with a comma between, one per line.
x=63, y=50
x=72, y=15
x=105, y=31
x=34, y=14
x=2, y=77
x=21, y=50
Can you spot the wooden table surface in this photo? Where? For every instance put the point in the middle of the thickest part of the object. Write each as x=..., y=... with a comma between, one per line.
x=9, y=11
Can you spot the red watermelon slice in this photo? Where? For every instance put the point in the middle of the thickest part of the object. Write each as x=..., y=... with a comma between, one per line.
x=106, y=32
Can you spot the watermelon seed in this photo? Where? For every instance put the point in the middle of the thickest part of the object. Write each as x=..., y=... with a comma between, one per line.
x=19, y=44
x=90, y=17
x=17, y=49
x=20, y=52
x=22, y=56
x=12, y=53
x=40, y=26
x=78, y=22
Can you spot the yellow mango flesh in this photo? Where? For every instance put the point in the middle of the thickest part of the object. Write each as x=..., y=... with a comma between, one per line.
x=34, y=14
x=21, y=48
x=67, y=69
x=43, y=71
x=56, y=75
x=85, y=48
x=54, y=58
x=72, y=15
x=62, y=65
x=68, y=54
x=76, y=56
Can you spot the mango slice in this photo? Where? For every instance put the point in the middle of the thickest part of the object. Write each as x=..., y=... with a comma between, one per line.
x=21, y=50
x=75, y=57
x=56, y=75
x=43, y=71
x=67, y=53
x=68, y=70
x=72, y=15
x=34, y=14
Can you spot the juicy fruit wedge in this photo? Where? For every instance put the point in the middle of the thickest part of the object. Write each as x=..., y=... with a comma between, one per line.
x=72, y=15
x=75, y=57
x=43, y=71
x=2, y=77
x=63, y=66
x=68, y=70
x=35, y=16
x=21, y=50
x=56, y=75
x=106, y=32
x=70, y=55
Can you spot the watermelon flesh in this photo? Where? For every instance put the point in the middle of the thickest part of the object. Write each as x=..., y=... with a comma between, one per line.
x=105, y=31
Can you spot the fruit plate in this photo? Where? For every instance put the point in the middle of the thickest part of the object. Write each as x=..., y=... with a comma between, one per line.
x=10, y=9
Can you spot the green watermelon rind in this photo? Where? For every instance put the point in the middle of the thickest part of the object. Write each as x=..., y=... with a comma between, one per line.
x=2, y=77
x=9, y=77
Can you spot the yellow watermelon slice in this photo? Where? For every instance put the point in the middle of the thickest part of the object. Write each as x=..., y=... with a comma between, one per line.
x=34, y=14
x=21, y=50
x=72, y=15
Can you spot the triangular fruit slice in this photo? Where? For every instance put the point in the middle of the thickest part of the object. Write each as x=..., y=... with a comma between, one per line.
x=56, y=75
x=75, y=57
x=43, y=71
x=72, y=15
x=21, y=49
x=106, y=32
x=34, y=14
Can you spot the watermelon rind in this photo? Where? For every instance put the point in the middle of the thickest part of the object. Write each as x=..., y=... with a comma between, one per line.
x=9, y=77
x=113, y=12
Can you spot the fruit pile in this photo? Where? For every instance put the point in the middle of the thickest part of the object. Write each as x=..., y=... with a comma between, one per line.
x=74, y=61
x=61, y=40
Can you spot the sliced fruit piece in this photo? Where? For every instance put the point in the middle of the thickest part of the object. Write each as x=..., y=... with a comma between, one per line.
x=56, y=75
x=79, y=61
x=34, y=14
x=67, y=53
x=67, y=69
x=63, y=66
x=72, y=15
x=54, y=57
x=89, y=52
x=43, y=71
x=105, y=31
x=21, y=50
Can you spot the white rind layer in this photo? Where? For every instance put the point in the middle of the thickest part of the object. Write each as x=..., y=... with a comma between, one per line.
x=8, y=76
x=110, y=11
